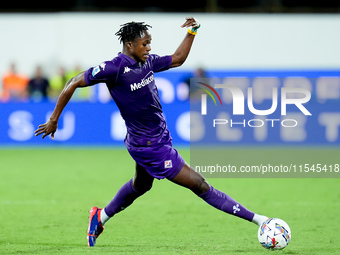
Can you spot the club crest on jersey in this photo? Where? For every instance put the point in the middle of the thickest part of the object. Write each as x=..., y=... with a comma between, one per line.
x=167, y=164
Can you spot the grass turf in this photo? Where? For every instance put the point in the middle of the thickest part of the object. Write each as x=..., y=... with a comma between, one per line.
x=45, y=196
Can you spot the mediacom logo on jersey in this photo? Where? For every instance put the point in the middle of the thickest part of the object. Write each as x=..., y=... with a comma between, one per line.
x=145, y=81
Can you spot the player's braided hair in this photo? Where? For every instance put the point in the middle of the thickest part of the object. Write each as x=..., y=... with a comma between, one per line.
x=129, y=31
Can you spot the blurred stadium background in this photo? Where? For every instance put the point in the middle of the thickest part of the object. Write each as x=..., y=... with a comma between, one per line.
x=259, y=43
x=259, y=50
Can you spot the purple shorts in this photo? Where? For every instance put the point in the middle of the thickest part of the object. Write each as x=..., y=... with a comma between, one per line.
x=160, y=161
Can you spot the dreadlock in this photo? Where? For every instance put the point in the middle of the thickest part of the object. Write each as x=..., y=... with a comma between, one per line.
x=129, y=31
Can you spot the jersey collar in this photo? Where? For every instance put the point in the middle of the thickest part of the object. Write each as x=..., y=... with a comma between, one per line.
x=127, y=58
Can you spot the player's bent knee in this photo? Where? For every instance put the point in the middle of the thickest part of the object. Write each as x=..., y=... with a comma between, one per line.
x=142, y=188
x=201, y=186
x=146, y=188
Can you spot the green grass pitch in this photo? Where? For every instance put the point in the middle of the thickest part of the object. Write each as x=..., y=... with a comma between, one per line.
x=46, y=193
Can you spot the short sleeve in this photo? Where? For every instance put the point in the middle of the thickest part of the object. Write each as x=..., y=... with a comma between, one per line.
x=159, y=63
x=104, y=72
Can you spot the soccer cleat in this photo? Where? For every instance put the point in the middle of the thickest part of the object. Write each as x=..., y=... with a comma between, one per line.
x=95, y=226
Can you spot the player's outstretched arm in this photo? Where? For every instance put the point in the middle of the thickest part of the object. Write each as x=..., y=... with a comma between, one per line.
x=182, y=52
x=51, y=125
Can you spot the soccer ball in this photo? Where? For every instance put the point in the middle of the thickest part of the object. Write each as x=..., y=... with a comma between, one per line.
x=274, y=234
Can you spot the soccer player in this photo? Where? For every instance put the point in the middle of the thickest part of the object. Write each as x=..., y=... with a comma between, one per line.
x=130, y=80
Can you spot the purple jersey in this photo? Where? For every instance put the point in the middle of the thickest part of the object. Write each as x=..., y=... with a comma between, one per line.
x=132, y=86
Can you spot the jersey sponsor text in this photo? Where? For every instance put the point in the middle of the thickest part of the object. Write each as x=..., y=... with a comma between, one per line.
x=145, y=81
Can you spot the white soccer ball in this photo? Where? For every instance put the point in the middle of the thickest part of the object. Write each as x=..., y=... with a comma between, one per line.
x=274, y=234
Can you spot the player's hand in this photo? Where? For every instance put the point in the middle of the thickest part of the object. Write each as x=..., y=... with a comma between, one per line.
x=50, y=127
x=191, y=22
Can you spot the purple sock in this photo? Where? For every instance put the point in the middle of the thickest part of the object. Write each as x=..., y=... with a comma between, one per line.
x=226, y=204
x=124, y=197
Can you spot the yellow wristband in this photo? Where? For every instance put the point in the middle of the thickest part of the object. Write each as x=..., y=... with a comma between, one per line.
x=192, y=32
